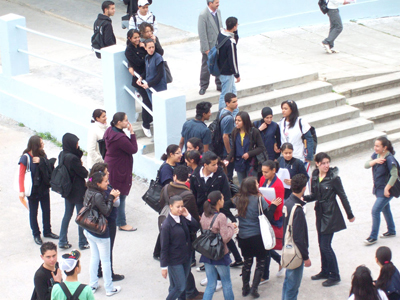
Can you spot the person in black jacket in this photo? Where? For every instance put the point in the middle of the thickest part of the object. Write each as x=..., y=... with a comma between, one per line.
x=176, y=247
x=134, y=5
x=104, y=22
x=325, y=185
x=72, y=155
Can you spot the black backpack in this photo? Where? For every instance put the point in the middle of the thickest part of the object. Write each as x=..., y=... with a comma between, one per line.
x=60, y=180
x=67, y=293
x=313, y=134
x=97, y=37
x=217, y=142
x=323, y=6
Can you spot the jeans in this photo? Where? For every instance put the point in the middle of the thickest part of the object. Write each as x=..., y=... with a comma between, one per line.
x=146, y=117
x=336, y=27
x=69, y=210
x=329, y=265
x=292, y=283
x=100, y=251
x=227, y=86
x=33, y=203
x=205, y=74
x=113, y=232
x=191, y=290
x=276, y=257
x=178, y=275
x=244, y=174
x=212, y=272
x=382, y=205
x=121, y=218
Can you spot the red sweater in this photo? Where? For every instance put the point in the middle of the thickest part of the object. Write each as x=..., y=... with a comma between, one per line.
x=279, y=192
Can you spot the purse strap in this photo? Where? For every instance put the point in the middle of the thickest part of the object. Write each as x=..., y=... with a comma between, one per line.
x=28, y=162
x=260, y=210
x=213, y=220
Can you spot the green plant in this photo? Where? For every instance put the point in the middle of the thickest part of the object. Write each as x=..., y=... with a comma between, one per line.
x=21, y=124
x=47, y=136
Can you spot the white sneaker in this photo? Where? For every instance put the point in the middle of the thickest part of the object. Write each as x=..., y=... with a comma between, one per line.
x=116, y=290
x=147, y=132
x=334, y=50
x=219, y=286
x=262, y=281
x=94, y=289
x=204, y=282
x=281, y=273
x=326, y=47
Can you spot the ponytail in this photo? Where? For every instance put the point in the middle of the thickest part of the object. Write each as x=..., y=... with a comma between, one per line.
x=384, y=256
x=170, y=149
x=97, y=114
x=386, y=143
x=118, y=117
x=211, y=202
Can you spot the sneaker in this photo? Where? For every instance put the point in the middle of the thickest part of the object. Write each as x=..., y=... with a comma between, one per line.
x=201, y=268
x=116, y=290
x=117, y=277
x=204, y=282
x=326, y=47
x=94, y=289
x=370, y=241
x=219, y=286
x=281, y=272
x=387, y=235
x=330, y=282
x=147, y=132
x=335, y=51
x=262, y=281
x=84, y=247
x=236, y=264
x=66, y=246
x=319, y=276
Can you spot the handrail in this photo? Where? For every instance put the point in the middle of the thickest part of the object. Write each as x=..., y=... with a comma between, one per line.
x=137, y=99
x=125, y=63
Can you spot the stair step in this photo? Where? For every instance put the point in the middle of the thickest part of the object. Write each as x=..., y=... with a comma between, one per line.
x=394, y=137
x=389, y=127
x=382, y=114
x=377, y=99
x=369, y=85
x=145, y=144
x=350, y=144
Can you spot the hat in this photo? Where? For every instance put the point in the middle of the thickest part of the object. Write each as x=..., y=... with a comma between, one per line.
x=69, y=260
x=143, y=3
x=266, y=111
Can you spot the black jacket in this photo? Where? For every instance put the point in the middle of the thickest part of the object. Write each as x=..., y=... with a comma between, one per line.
x=135, y=57
x=106, y=31
x=329, y=218
x=77, y=172
x=256, y=144
x=227, y=58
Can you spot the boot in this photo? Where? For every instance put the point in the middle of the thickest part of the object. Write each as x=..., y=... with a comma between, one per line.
x=256, y=281
x=246, y=280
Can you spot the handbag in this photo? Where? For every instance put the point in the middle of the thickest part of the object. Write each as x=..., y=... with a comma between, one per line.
x=167, y=72
x=102, y=147
x=267, y=232
x=291, y=257
x=28, y=177
x=153, y=194
x=91, y=220
x=210, y=244
x=395, y=189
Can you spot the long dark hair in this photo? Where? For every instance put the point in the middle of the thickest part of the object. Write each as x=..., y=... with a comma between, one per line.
x=209, y=205
x=170, y=149
x=94, y=179
x=196, y=142
x=386, y=143
x=195, y=155
x=118, y=117
x=295, y=112
x=362, y=285
x=246, y=123
x=34, y=145
x=130, y=34
x=247, y=188
x=97, y=114
x=384, y=256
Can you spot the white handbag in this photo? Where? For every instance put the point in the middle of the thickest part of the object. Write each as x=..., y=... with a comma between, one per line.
x=28, y=177
x=267, y=232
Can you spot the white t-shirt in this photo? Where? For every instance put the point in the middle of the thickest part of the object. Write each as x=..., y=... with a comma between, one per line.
x=380, y=293
x=293, y=136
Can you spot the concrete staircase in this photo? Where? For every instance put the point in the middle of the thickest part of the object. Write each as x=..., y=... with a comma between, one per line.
x=339, y=127
x=378, y=98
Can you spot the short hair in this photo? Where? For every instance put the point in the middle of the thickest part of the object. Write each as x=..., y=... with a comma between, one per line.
x=181, y=172
x=175, y=198
x=70, y=273
x=231, y=22
x=319, y=157
x=146, y=41
x=47, y=246
x=299, y=181
x=202, y=108
x=106, y=5
x=229, y=96
x=210, y=1
x=208, y=157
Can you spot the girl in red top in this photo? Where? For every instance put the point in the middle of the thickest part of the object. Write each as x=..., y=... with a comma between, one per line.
x=270, y=180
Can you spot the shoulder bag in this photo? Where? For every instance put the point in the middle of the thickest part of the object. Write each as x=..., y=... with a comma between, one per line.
x=291, y=256
x=395, y=189
x=210, y=244
x=153, y=194
x=91, y=219
x=28, y=176
x=267, y=232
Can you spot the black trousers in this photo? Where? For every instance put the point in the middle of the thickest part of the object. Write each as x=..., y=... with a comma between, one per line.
x=33, y=202
x=205, y=74
x=146, y=117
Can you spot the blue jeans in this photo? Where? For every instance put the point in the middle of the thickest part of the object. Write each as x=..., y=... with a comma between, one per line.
x=121, y=218
x=100, y=251
x=212, y=272
x=69, y=210
x=44, y=200
x=329, y=265
x=382, y=205
x=178, y=275
x=227, y=86
x=292, y=283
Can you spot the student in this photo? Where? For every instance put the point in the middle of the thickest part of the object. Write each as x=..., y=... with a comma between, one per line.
x=220, y=267
x=195, y=143
x=104, y=23
x=96, y=132
x=71, y=266
x=325, y=186
x=171, y=159
x=362, y=286
x=48, y=274
x=147, y=32
x=143, y=15
x=176, y=247
x=385, y=174
x=192, y=159
x=293, y=165
x=293, y=277
x=389, y=277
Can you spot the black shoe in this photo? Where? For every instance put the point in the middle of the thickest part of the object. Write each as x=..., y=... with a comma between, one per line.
x=66, y=246
x=117, y=277
x=219, y=88
x=370, y=241
x=330, y=282
x=319, y=276
x=38, y=240
x=84, y=247
x=156, y=257
x=52, y=236
x=202, y=91
x=236, y=264
x=387, y=235
x=245, y=291
x=100, y=274
x=254, y=293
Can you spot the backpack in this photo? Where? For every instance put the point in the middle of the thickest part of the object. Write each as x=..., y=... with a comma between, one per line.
x=136, y=25
x=60, y=180
x=291, y=257
x=395, y=189
x=97, y=37
x=212, y=61
x=314, y=137
x=217, y=142
x=67, y=293
x=323, y=6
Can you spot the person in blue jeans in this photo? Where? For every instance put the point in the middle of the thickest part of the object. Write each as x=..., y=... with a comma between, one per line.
x=211, y=218
x=293, y=277
x=384, y=166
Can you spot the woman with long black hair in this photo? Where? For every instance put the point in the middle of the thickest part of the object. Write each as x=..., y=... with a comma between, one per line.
x=389, y=277
x=362, y=286
x=96, y=132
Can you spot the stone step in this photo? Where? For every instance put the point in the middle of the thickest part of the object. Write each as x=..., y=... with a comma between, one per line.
x=350, y=144
x=394, y=137
x=377, y=99
x=145, y=144
x=368, y=85
x=343, y=129
x=382, y=114
x=389, y=127
x=332, y=116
